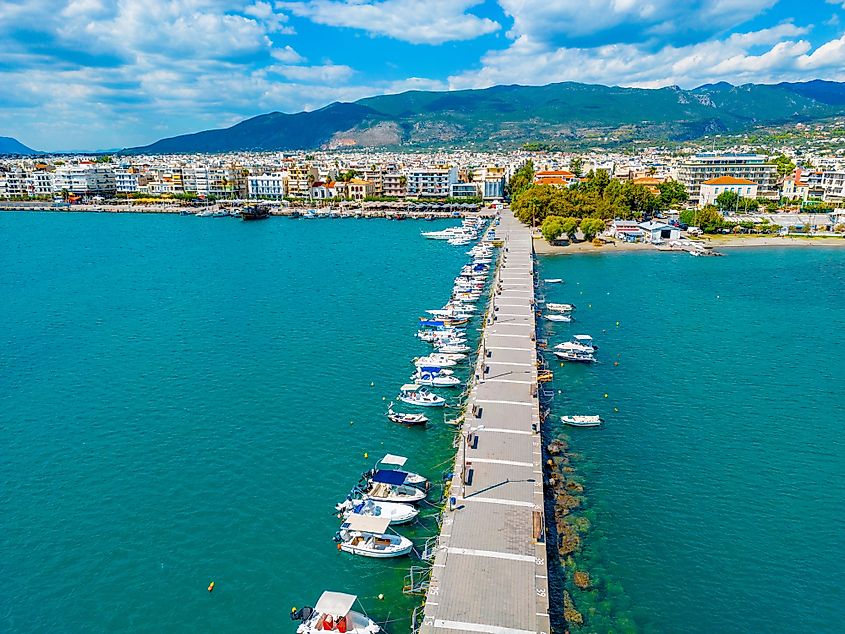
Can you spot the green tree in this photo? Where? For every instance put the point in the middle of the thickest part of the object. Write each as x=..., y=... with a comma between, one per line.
x=784, y=165
x=672, y=193
x=591, y=227
x=570, y=227
x=576, y=166
x=521, y=179
x=727, y=200
x=552, y=228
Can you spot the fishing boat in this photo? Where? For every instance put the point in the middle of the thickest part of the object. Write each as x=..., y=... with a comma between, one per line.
x=255, y=213
x=310, y=215
x=413, y=394
x=205, y=213
x=404, y=418
x=557, y=317
x=366, y=535
x=333, y=613
x=553, y=280
x=220, y=213
x=392, y=462
x=561, y=308
x=582, y=421
x=388, y=485
x=434, y=377
x=396, y=512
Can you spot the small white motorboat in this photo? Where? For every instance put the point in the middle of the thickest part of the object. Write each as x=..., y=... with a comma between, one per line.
x=561, y=308
x=456, y=348
x=404, y=418
x=413, y=394
x=333, y=613
x=455, y=356
x=435, y=360
x=553, y=280
x=578, y=343
x=396, y=512
x=388, y=485
x=391, y=462
x=582, y=421
x=366, y=535
x=575, y=356
x=435, y=377
x=557, y=317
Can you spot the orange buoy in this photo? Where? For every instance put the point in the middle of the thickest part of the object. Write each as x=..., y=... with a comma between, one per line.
x=338, y=547
x=211, y=587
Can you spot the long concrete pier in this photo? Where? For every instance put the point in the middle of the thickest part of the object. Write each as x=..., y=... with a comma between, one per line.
x=490, y=572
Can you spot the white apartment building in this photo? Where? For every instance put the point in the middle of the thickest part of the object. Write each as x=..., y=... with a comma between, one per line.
x=707, y=166
x=126, y=181
x=84, y=179
x=431, y=181
x=394, y=184
x=833, y=184
x=267, y=186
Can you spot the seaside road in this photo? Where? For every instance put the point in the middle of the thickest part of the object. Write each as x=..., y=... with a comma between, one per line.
x=489, y=572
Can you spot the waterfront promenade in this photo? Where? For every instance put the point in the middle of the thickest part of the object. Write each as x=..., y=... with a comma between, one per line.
x=490, y=572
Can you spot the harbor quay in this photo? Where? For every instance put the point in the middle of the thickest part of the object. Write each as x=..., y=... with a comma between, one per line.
x=489, y=570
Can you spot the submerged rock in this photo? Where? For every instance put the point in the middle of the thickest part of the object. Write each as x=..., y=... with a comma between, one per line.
x=569, y=612
x=581, y=579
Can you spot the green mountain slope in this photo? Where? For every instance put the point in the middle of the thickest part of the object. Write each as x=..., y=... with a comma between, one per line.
x=507, y=116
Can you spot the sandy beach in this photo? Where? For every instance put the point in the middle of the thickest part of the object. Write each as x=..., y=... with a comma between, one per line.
x=542, y=247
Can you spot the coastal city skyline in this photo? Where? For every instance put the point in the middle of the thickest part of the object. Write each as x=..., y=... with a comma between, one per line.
x=93, y=76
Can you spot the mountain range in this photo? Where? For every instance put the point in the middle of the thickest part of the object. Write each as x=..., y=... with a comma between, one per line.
x=8, y=145
x=560, y=115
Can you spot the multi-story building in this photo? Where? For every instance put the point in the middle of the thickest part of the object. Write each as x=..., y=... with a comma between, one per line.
x=301, y=178
x=39, y=184
x=127, y=180
x=710, y=190
x=356, y=189
x=833, y=185
x=707, y=166
x=85, y=179
x=394, y=184
x=268, y=186
x=463, y=190
x=376, y=177
x=431, y=181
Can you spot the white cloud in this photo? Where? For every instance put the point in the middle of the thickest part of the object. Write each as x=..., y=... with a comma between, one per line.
x=327, y=73
x=431, y=22
x=287, y=55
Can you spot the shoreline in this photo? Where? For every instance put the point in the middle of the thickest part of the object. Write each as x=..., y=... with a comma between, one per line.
x=541, y=247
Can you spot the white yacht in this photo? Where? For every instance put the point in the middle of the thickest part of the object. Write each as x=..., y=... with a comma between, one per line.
x=366, y=535
x=413, y=394
x=396, y=512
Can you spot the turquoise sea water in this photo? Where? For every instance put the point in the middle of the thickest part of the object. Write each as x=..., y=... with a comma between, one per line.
x=716, y=493
x=185, y=399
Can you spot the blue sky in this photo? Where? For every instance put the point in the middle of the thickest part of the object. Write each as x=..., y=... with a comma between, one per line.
x=89, y=74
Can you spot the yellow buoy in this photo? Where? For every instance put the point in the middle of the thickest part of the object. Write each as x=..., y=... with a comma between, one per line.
x=381, y=597
x=615, y=409
x=366, y=455
x=372, y=384
x=211, y=587
x=617, y=324
x=605, y=395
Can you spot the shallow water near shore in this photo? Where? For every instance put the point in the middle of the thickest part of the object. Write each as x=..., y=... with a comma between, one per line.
x=715, y=494
x=183, y=400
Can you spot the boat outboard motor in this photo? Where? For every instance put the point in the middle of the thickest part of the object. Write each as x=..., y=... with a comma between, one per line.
x=302, y=614
x=337, y=537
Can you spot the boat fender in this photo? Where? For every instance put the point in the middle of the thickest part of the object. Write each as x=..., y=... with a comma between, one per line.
x=338, y=548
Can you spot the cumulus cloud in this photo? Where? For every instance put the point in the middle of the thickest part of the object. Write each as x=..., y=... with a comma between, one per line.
x=432, y=22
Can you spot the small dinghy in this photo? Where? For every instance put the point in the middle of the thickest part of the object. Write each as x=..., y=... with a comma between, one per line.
x=556, y=317
x=413, y=394
x=553, y=280
x=365, y=535
x=561, y=308
x=333, y=613
x=404, y=418
x=387, y=485
x=582, y=421
x=396, y=512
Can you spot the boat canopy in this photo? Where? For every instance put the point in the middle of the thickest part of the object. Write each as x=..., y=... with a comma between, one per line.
x=409, y=387
x=335, y=603
x=389, y=476
x=430, y=369
x=393, y=459
x=367, y=523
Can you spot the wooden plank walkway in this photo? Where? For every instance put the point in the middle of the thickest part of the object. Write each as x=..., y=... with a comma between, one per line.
x=490, y=572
